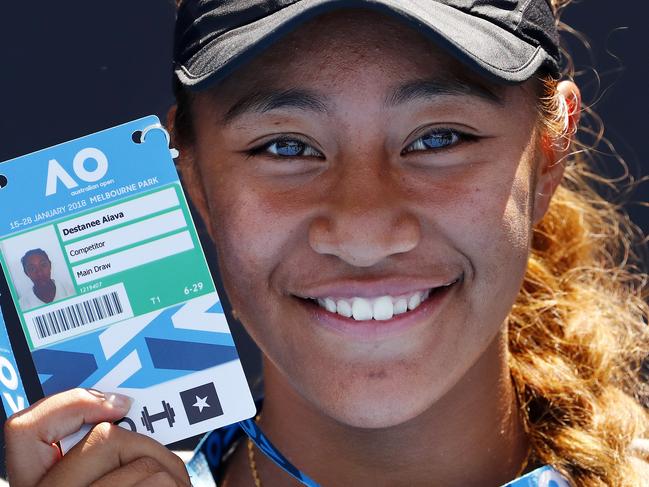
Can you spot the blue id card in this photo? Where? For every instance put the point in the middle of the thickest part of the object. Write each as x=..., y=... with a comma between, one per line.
x=109, y=285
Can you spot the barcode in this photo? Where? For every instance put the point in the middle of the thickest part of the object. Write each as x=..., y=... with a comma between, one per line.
x=76, y=315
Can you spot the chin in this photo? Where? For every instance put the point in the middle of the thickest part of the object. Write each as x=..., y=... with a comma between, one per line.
x=370, y=414
x=384, y=396
x=381, y=407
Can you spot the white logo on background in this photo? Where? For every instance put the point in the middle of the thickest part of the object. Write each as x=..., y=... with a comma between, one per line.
x=201, y=402
x=56, y=173
x=10, y=381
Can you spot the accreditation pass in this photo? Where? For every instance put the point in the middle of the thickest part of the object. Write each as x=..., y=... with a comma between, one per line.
x=111, y=285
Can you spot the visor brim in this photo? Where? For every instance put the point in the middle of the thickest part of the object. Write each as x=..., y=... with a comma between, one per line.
x=482, y=45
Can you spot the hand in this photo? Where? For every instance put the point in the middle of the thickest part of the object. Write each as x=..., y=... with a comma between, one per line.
x=107, y=455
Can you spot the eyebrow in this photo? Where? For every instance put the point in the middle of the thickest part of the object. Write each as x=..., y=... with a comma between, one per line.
x=265, y=101
x=433, y=88
x=262, y=102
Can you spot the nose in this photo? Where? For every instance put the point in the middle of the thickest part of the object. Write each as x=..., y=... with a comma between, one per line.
x=39, y=273
x=365, y=220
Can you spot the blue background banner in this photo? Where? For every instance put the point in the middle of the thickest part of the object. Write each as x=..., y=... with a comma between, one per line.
x=11, y=385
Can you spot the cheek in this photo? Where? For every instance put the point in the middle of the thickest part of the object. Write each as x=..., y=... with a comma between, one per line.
x=243, y=237
x=502, y=226
x=252, y=237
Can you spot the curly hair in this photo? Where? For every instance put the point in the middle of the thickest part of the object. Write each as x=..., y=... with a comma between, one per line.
x=577, y=333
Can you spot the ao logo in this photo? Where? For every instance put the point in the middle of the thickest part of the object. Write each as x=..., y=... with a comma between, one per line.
x=55, y=171
x=9, y=379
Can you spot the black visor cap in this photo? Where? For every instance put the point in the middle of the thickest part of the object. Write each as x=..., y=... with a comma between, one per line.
x=504, y=40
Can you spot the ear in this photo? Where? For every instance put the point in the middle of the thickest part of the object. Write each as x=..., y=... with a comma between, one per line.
x=555, y=149
x=189, y=170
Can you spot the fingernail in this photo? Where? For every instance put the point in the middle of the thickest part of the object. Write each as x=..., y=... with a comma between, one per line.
x=119, y=401
x=97, y=393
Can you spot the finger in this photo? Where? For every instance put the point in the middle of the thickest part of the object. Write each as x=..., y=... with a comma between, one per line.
x=134, y=473
x=30, y=434
x=162, y=479
x=106, y=448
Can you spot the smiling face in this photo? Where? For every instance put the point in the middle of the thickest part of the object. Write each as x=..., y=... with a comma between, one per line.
x=372, y=203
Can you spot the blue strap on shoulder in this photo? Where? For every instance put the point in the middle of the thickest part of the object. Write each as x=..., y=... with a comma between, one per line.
x=264, y=444
x=211, y=450
x=541, y=477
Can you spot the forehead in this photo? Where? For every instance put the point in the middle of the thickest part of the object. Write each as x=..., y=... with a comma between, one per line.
x=36, y=259
x=348, y=44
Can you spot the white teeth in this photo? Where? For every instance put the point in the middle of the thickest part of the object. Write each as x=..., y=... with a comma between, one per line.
x=414, y=301
x=361, y=309
x=330, y=304
x=400, y=306
x=381, y=308
x=344, y=308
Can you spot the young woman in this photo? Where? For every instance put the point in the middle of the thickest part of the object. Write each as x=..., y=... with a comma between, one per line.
x=38, y=267
x=405, y=231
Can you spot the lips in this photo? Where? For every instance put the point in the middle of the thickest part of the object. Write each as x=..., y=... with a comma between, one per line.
x=381, y=307
x=367, y=328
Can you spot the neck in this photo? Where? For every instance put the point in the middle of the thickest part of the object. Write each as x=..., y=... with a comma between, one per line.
x=472, y=436
x=43, y=287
